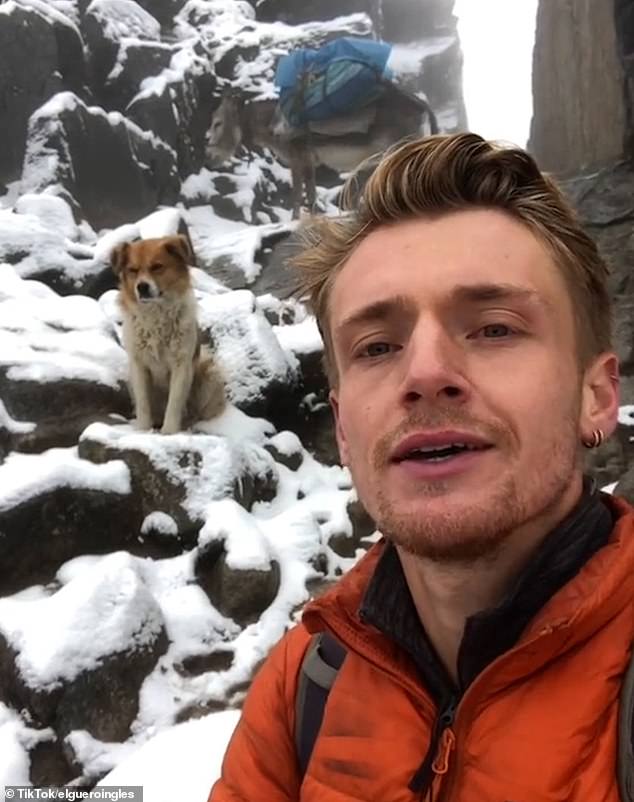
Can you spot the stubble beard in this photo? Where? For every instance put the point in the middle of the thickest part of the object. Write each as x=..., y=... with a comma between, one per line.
x=469, y=531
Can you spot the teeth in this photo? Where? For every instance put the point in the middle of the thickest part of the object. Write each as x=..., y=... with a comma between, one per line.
x=430, y=449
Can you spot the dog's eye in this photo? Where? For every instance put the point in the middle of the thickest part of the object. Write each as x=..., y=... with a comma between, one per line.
x=133, y=271
x=156, y=267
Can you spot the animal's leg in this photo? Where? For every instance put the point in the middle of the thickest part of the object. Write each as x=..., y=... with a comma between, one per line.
x=180, y=385
x=297, y=189
x=140, y=385
x=311, y=182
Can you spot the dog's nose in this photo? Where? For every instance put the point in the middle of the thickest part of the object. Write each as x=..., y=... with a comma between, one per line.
x=144, y=289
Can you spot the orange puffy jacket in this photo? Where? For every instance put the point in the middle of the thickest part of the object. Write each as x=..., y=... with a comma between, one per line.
x=539, y=724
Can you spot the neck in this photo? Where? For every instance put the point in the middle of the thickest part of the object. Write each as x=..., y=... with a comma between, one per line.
x=446, y=595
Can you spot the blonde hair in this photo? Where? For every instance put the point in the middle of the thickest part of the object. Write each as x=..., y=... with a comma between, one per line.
x=446, y=173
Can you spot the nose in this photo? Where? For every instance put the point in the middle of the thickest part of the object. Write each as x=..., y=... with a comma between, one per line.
x=434, y=366
x=144, y=290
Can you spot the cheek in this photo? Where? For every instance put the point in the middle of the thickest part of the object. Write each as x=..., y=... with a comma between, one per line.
x=359, y=425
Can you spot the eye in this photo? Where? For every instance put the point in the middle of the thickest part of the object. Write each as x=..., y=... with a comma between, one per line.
x=133, y=271
x=371, y=350
x=506, y=330
x=156, y=267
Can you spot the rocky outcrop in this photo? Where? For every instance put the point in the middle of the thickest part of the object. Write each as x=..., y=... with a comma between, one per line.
x=114, y=170
x=580, y=117
x=296, y=13
x=176, y=105
x=94, y=687
x=28, y=82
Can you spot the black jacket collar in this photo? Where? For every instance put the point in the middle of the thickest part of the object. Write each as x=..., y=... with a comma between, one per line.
x=388, y=605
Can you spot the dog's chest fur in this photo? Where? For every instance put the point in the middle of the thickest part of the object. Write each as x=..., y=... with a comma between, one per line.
x=160, y=335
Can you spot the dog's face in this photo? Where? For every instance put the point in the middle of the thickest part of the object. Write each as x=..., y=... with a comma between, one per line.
x=152, y=270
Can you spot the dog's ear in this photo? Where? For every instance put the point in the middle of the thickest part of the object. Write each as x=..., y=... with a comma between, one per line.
x=180, y=248
x=119, y=258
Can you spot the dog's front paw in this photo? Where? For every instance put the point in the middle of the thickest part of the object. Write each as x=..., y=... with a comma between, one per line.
x=170, y=427
x=144, y=422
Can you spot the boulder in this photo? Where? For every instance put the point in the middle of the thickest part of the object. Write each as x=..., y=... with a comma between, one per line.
x=70, y=45
x=163, y=10
x=113, y=169
x=252, y=193
x=26, y=82
x=580, y=117
x=176, y=104
x=240, y=594
x=104, y=25
x=233, y=564
x=40, y=249
x=76, y=509
x=179, y=475
x=91, y=683
x=137, y=61
x=259, y=373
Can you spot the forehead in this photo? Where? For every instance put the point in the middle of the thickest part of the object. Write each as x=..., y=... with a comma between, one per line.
x=428, y=260
x=146, y=251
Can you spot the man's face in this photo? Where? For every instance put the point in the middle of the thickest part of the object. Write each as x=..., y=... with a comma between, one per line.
x=437, y=356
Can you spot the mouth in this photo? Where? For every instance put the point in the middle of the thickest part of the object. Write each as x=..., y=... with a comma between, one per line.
x=148, y=299
x=433, y=454
x=438, y=455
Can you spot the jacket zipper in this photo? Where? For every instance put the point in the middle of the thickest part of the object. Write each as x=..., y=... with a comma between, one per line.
x=436, y=761
x=445, y=735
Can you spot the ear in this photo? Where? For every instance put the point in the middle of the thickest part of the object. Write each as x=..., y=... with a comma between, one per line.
x=601, y=396
x=339, y=432
x=180, y=248
x=119, y=258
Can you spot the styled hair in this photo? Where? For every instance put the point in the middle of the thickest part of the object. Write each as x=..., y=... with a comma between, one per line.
x=447, y=173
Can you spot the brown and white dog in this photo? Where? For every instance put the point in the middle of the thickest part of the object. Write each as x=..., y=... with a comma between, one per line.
x=174, y=380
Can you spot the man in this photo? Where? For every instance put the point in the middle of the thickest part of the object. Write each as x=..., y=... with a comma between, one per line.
x=466, y=326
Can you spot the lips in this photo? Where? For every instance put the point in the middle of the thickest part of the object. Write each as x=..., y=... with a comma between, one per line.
x=413, y=445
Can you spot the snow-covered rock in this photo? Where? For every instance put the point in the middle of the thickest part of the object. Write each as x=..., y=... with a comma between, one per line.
x=113, y=169
x=76, y=658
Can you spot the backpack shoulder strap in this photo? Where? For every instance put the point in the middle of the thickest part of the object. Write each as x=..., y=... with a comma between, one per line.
x=625, y=757
x=321, y=663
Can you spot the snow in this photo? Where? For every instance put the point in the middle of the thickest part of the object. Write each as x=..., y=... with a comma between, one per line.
x=158, y=521
x=33, y=245
x=16, y=740
x=626, y=414
x=41, y=163
x=57, y=12
x=224, y=25
x=45, y=337
x=247, y=349
x=97, y=605
x=105, y=611
x=303, y=337
x=24, y=476
x=125, y=18
x=184, y=61
x=409, y=59
x=199, y=744
x=238, y=242
x=241, y=536
x=52, y=211
x=11, y=425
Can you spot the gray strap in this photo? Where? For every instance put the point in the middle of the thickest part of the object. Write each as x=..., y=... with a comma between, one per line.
x=316, y=669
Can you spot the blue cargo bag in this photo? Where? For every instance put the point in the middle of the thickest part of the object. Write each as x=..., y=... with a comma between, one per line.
x=342, y=76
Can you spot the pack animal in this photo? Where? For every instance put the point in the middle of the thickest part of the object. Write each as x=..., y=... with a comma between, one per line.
x=174, y=379
x=341, y=143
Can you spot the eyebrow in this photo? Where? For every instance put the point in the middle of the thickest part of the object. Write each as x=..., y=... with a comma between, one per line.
x=462, y=294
